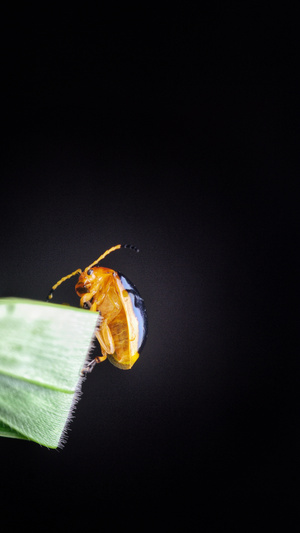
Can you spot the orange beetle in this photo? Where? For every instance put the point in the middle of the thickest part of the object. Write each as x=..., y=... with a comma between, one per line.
x=123, y=327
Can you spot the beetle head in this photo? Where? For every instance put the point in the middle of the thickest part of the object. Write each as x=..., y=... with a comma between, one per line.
x=91, y=280
x=86, y=282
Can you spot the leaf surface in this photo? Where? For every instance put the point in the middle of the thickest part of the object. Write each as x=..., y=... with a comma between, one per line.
x=43, y=348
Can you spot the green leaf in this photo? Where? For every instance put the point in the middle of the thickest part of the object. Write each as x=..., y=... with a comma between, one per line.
x=43, y=348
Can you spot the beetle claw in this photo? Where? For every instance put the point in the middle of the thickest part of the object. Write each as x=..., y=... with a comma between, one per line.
x=89, y=367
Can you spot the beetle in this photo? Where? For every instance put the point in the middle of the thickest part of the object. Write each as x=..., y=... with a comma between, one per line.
x=123, y=318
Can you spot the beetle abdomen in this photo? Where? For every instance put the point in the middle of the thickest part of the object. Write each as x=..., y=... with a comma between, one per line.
x=122, y=358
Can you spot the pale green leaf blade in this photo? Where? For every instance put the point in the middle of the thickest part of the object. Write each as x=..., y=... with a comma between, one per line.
x=6, y=431
x=43, y=348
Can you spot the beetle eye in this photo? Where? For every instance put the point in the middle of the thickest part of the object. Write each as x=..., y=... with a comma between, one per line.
x=89, y=272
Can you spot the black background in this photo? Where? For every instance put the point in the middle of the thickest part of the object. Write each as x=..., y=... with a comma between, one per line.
x=177, y=133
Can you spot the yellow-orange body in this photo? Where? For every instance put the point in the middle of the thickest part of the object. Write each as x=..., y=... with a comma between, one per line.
x=101, y=290
x=123, y=318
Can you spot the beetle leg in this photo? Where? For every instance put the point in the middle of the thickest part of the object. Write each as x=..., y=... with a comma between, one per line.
x=89, y=367
x=99, y=359
x=93, y=306
x=90, y=306
x=85, y=298
x=105, y=339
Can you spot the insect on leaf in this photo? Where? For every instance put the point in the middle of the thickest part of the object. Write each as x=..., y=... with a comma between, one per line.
x=43, y=348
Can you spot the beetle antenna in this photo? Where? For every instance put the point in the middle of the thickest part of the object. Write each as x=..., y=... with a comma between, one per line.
x=130, y=246
x=109, y=251
x=50, y=295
